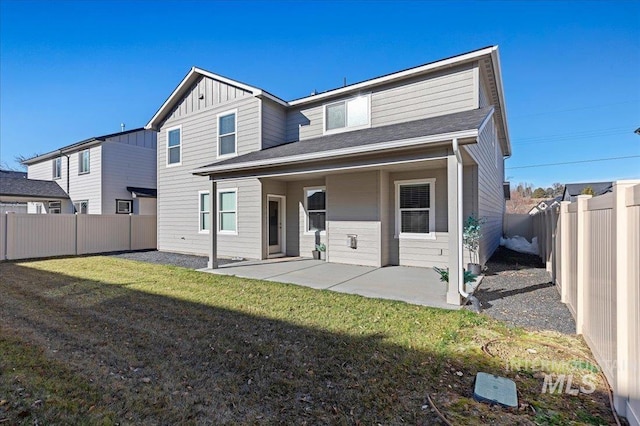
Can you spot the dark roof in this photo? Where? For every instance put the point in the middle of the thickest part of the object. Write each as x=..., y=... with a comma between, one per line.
x=575, y=189
x=456, y=122
x=11, y=174
x=31, y=188
x=143, y=192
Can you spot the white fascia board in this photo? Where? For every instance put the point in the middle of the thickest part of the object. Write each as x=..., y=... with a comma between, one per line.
x=397, y=76
x=404, y=143
x=495, y=60
x=486, y=120
x=58, y=152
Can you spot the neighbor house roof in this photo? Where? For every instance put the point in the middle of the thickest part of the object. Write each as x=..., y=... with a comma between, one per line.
x=31, y=188
x=575, y=189
x=465, y=124
x=143, y=192
x=10, y=174
x=77, y=145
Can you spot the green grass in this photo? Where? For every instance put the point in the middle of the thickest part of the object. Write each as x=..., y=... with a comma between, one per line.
x=128, y=342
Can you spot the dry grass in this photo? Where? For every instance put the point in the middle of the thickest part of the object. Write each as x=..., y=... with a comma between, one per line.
x=98, y=340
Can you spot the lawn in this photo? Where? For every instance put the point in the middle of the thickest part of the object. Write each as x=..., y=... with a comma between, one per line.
x=99, y=340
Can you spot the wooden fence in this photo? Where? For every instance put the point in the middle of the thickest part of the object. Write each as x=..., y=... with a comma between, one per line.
x=25, y=236
x=591, y=247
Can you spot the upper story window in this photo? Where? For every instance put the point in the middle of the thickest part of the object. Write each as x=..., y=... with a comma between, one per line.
x=174, y=146
x=227, y=125
x=415, y=212
x=83, y=162
x=315, y=201
x=348, y=114
x=57, y=168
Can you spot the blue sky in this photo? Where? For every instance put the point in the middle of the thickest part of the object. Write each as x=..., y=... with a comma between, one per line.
x=571, y=70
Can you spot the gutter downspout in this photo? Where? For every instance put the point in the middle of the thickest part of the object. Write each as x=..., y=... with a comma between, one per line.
x=461, y=289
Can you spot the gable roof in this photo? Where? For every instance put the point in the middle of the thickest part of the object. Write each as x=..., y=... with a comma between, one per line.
x=12, y=174
x=575, y=189
x=489, y=53
x=465, y=124
x=31, y=188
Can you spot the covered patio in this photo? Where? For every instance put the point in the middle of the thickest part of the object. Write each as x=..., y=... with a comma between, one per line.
x=419, y=286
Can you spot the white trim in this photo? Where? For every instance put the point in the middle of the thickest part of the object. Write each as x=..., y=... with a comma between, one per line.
x=283, y=232
x=495, y=61
x=431, y=235
x=486, y=120
x=123, y=200
x=200, y=211
x=235, y=133
x=57, y=160
x=346, y=127
x=445, y=63
x=80, y=162
x=218, y=221
x=306, y=210
x=80, y=209
x=403, y=143
x=166, y=132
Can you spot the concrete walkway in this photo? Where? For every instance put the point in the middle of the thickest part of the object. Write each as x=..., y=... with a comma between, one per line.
x=419, y=286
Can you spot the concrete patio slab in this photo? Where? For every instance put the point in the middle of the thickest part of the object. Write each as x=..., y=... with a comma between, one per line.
x=265, y=270
x=323, y=275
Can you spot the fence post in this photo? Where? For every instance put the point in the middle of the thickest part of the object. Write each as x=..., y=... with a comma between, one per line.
x=581, y=257
x=553, y=252
x=75, y=221
x=130, y=229
x=565, y=252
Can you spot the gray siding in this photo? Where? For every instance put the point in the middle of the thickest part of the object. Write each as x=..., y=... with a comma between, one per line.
x=273, y=124
x=490, y=175
x=178, y=187
x=300, y=243
x=426, y=96
x=483, y=96
x=143, y=138
x=126, y=165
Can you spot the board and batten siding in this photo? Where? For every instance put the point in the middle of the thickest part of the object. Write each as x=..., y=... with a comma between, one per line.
x=142, y=138
x=128, y=165
x=178, y=199
x=431, y=95
x=273, y=124
x=487, y=153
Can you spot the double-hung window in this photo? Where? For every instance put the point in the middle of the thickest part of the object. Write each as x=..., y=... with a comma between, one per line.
x=316, y=206
x=57, y=167
x=228, y=211
x=204, y=210
x=415, y=212
x=349, y=114
x=227, y=133
x=81, y=207
x=174, y=146
x=55, y=207
x=83, y=162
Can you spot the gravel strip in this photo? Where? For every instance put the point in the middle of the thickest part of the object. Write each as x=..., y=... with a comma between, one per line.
x=166, y=258
x=518, y=290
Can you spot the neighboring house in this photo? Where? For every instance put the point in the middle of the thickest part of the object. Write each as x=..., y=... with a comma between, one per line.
x=383, y=171
x=572, y=190
x=544, y=205
x=17, y=193
x=98, y=172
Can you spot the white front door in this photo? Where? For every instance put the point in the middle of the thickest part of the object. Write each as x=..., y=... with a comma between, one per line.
x=275, y=228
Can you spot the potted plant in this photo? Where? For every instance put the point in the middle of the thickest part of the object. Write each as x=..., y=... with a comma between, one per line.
x=471, y=235
x=322, y=250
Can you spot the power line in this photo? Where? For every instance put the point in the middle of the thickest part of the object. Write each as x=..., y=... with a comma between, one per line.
x=573, y=162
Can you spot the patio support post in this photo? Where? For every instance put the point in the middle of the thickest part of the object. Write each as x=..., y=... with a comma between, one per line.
x=454, y=182
x=213, y=226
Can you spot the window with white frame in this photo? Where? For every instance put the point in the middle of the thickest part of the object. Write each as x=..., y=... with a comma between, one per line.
x=227, y=134
x=174, y=146
x=415, y=212
x=228, y=211
x=123, y=206
x=347, y=114
x=81, y=207
x=315, y=200
x=57, y=168
x=83, y=162
x=204, y=210
x=55, y=207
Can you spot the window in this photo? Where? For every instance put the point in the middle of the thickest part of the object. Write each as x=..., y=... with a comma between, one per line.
x=81, y=207
x=83, y=162
x=415, y=213
x=55, y=207
x=316, y=207
x=57, y=167
x=204, y=211
x=227, y=134
x=347, y=114
x=123, y=206
x=174, y=146
x=38, y=208
x=227, y=211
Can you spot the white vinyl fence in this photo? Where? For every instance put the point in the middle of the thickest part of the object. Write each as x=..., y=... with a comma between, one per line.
x=25, y=236
x=592, y=249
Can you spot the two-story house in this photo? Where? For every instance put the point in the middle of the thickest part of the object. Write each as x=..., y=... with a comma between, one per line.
x=382, y=172
x=107, y=174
